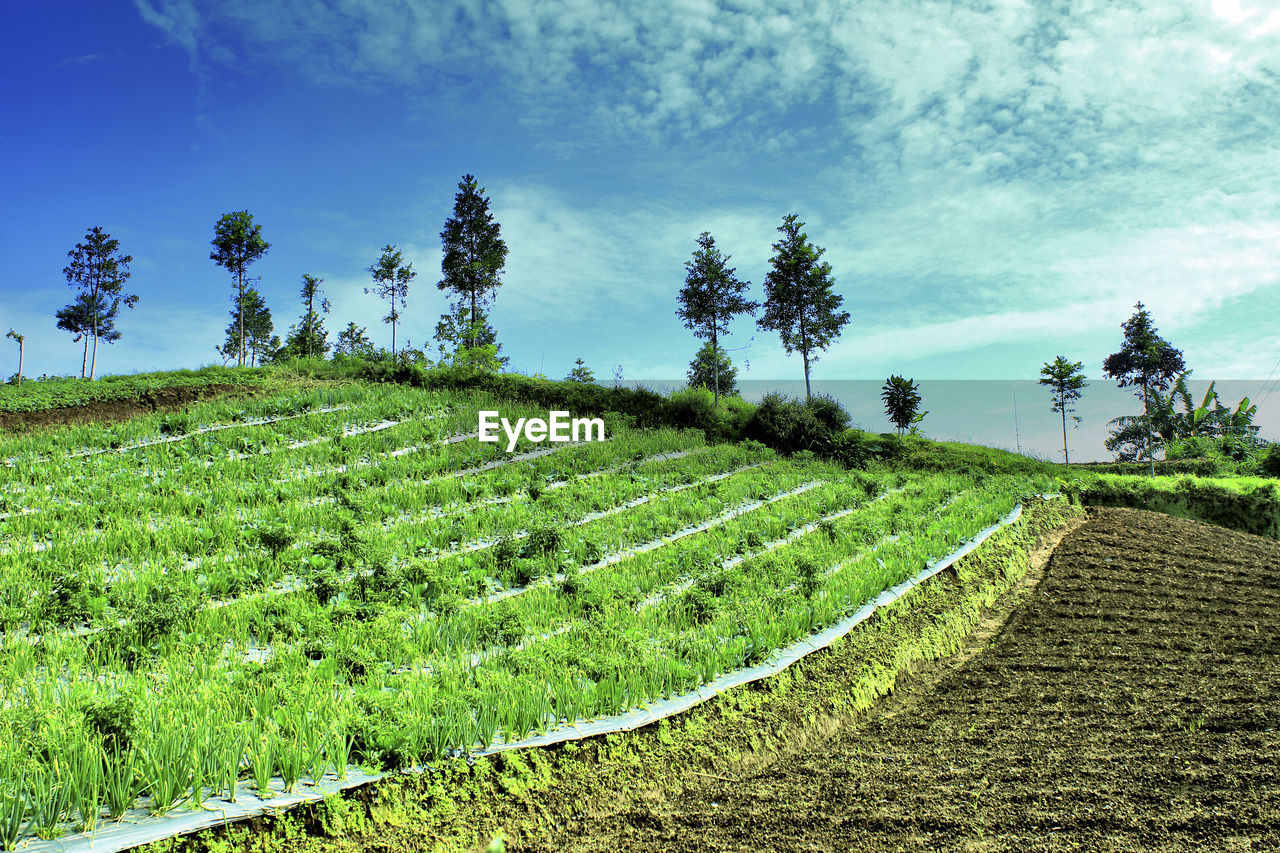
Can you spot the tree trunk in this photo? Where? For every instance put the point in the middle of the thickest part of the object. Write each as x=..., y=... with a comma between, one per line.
x=1066, y=460
x=804, y=351
x=715, y=365
x=471, y=330
x=19, y=364
x=1146, y=410
x=240, y=311
x=84, y=359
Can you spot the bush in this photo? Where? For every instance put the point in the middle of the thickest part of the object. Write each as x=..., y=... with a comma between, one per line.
x=829, y=412
x=1269, y=466
x=787, y=425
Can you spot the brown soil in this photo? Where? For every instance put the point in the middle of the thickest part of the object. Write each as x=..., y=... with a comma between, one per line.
x=1128, y=703
x=120, y=410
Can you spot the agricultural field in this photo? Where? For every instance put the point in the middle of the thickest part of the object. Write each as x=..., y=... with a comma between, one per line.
x=250, y=598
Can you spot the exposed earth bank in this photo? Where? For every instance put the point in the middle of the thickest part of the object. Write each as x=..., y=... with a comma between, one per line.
x=1129, y=702
x=120, y=410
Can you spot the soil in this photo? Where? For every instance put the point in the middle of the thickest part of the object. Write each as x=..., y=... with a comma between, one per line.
x=1127, y=702
x=105, y=411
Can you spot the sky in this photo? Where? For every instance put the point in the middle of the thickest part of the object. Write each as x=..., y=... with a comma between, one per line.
x=994, y=182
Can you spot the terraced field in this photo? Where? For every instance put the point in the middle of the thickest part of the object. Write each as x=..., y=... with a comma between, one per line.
x=243, y=600
x=1127, y=704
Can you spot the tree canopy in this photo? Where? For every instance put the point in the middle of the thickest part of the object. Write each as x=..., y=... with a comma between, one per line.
x=237, y=243
x=712, y=295
x=391, y=276
x=712, y=364
x=474, y=251
x=1146, y=362
x=98, y=269
x=901, y=402
x=799, y=301
x=1066, y=381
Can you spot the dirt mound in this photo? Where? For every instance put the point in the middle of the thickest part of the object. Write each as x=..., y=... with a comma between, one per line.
x=119, y=410
x=1128, y=703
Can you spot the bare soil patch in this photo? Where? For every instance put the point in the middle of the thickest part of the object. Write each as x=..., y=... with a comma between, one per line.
x=107, y=411
x=1127, y=703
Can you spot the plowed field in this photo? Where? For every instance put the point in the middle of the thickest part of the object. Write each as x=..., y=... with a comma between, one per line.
x=1131, y=701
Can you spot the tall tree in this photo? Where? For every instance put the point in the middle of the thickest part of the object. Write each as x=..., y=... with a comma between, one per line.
x=99, y=271
x=308, y=338
x=901, y=401
x=251, y=327
x=237, y=243
x=474, y=252
x=391, y=277
x=80, y=319
x=712, y=364
x=1145, y=361
x=712, y=295
x=799, y=302
x=20, y=339
x=1066, y=381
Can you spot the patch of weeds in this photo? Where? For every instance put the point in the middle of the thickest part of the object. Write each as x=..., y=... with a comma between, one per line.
x=700, y=604
x=114, y=721
x=274, y=538
x=543, y=540
x=809, y=576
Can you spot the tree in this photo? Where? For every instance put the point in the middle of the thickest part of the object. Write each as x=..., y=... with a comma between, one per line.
x=710, y=298
x=799, y=302
x=80, y=317
x=100, y=272
x=237, y=243
x=250, y=328
x=352, y=341
x=474, y=252
x=308, y=338
x=1146, y=362
x=712, y=364
x=20, y=339
x=1065, y=379
x=901, y=400
x=391, y=276
x=468, y=343
x=580, y=373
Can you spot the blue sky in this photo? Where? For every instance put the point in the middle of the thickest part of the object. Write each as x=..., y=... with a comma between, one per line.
x=995, y=182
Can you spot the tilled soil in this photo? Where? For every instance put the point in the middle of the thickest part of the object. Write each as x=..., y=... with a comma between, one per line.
x=1130, y=702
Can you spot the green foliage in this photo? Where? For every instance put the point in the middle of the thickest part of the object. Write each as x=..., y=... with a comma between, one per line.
x=237, y=243
x=1066, y=381
x=799, y=301
x=308, y=338
x=354, y=342
x=901, y=401
x=712, y=295
x=712, y=369
x=1148, y=363
x=112, y=720
x=1269, y=465
x=468, y=342
x=474, y=254
x=391, y=277
x=787, y=425
x=580, y=373
x=251, y=318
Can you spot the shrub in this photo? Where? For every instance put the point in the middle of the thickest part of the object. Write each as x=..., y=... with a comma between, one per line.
x=829, y=412
x=786, y=425
x=1270, y=464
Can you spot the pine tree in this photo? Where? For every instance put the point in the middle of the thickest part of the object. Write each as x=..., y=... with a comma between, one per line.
x=799, y=302
x=474, y=252
x=712, y=295
x=100, y=272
